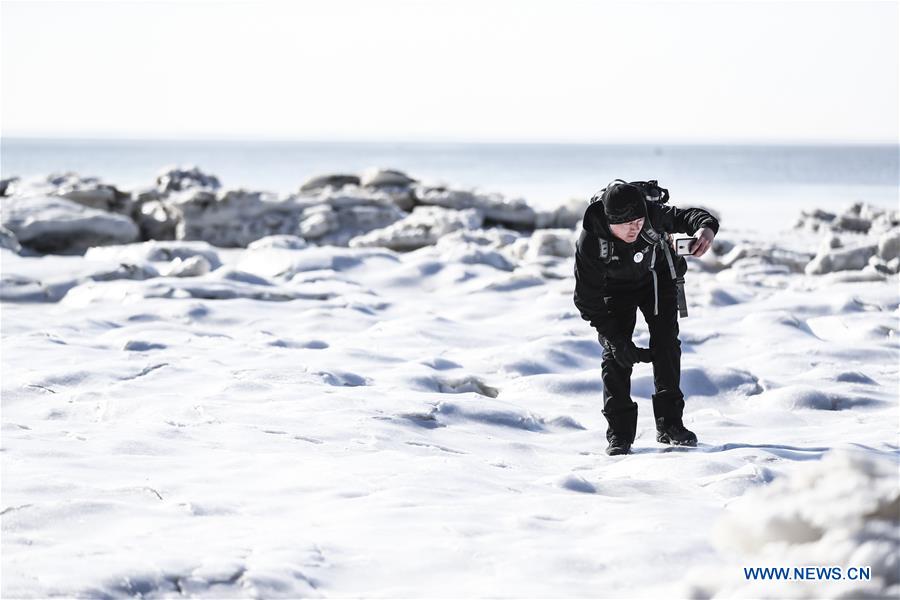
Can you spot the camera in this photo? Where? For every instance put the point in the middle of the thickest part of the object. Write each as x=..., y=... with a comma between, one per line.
x=683, y=246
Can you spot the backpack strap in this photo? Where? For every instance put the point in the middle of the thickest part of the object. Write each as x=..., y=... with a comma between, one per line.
x=653, y=237
x=650, y=235
x=658, y=239
x=607, y=251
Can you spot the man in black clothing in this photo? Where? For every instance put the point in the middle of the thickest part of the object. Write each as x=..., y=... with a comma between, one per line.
x=622, y=264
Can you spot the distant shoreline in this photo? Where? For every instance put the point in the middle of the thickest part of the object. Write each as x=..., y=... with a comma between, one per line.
x=747, y=182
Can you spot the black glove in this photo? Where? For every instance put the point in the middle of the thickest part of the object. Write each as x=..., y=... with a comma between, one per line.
x=644, y=354
x=623, y=351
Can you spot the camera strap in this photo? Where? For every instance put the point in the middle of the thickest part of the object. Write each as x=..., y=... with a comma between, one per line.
x=679, y=281
x=655, y=283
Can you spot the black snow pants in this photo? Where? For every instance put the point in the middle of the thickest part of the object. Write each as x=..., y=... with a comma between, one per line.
x=665, y=347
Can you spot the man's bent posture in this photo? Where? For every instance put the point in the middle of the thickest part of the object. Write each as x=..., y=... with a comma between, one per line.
x=621, y=265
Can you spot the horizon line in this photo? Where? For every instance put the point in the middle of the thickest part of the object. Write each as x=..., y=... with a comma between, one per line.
x=458, y=141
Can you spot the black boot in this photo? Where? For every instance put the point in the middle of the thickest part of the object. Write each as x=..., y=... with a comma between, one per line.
x=621, y=431
x=618, y=444
x=667, y=411
x=673, y=431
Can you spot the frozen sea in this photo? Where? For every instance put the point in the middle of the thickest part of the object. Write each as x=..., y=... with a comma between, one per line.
x=320, y=421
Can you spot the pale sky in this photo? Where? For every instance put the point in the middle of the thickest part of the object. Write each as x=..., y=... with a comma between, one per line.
x=519, y=70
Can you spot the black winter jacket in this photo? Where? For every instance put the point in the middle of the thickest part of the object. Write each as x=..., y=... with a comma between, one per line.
x=596, y=279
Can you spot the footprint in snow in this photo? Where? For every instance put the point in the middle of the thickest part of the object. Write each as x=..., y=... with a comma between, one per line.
x=142, y=346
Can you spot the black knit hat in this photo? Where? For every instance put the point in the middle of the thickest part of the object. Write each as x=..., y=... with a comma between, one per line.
x=624, y=203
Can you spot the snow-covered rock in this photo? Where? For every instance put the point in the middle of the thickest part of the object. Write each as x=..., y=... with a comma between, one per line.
x=889, y=245
x=288, y=242
x=829, y=243
x=496, y=208
x=318, y=221
x=760, y=253
x=188, y=204
x=233, y=218
x=841, y=259
x=147, y=193
x=87, y=191
x=815, y=220
x=424, y=226
x=547, y=242
x=859, y=217
x=7, y=183
x=236, y=218
x=893, y=265
x=190, y=267
x=376, y=186
x=880, y=265
x=847, y=222
x=178, y=179
x=56, y=225
x=103, y=197
x=403, y=198
x=568, y=214
x=157, y=220
x=8, y=240
x=334, y=181
x=344, y=217
x=885, y=222
x=378, y=178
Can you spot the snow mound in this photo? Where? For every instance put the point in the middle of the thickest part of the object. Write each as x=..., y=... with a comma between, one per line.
x=157, y=251
x=51, y=286
x=465, y=250
x=547, y=242
x=587, y=384
x=227, y=285
x=577, y=483
x=706, y=381
x=52, y=224
x=287, y=263
x=803, y=396
x=489, y=412
x=288, y=242
x=190, y=267
x=843, y=510
x=461, y=385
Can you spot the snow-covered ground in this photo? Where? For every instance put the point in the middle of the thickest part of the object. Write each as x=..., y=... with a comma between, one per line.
x=334, y=422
